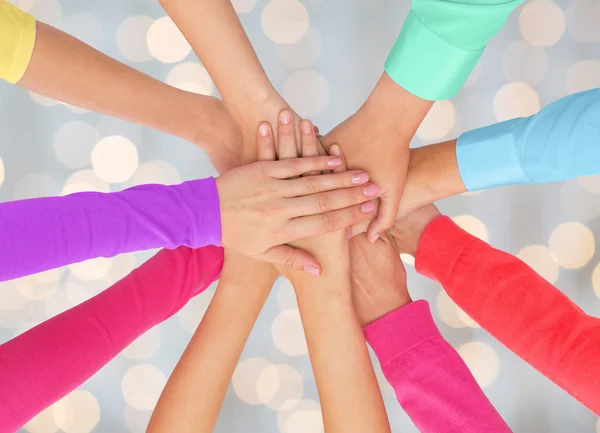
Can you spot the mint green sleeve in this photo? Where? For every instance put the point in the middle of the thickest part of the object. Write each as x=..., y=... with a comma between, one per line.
x=441, y=42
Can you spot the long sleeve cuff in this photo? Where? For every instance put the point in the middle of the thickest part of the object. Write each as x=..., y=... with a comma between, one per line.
x=17, y=40
x=488, y=157
x=401, y=330
x=440, y=245
x=208, y=211
x=427, y=65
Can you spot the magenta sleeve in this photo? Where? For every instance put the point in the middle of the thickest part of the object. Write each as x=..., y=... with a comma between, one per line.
x=433, y=384
x=44, y=364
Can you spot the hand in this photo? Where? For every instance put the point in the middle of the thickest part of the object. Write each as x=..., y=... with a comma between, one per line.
x=378, y=277
x=273, y=110
x=408, y=230
x=433, y=174
x=261, y=211
x=331, y=248
x=376, y=139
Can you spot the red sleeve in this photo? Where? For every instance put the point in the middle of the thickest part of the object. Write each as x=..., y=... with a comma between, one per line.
x=44, y=364
x=517, y=306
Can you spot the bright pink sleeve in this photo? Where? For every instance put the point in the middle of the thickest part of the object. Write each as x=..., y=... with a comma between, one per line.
x=42, y=365
x=517, y=306
x=433, y=384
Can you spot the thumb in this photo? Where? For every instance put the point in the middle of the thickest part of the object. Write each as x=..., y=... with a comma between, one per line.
x=386, y=218
x=289, y=257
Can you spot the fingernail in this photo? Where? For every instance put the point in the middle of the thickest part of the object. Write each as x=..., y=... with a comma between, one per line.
x=374, y=239
x=263, y=129
x=312, y=270
x=335, y=150
x=306, y=129
x=285, y=117
x=370, y=190
x=334, y=162
x=360, y=178
x=367, y=207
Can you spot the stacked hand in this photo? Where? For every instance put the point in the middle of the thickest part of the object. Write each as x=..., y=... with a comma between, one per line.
x=266, y=205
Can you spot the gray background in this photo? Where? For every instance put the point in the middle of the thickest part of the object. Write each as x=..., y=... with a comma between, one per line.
x=546, y=50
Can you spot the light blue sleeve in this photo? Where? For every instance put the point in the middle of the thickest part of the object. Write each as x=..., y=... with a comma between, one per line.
x=560, y=142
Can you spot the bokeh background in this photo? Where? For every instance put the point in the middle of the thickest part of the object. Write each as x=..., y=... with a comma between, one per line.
x=324, y=56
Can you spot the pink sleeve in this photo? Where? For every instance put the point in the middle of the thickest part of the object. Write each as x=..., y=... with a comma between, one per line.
x=432, y=383
x=517, y=306
x=42, y=365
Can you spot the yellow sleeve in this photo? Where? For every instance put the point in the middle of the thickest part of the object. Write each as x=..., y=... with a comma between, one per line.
x=17, y=38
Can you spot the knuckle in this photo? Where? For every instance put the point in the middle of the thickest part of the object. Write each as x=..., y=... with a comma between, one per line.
x=322, y=204
x=356, y=195
x=296, y=167
x=311, y=185
x=328, y=223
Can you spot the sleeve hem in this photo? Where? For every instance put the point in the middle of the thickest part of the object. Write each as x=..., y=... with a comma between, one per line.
x=208, y=212
x=440, y=246
x=401, y=330
x=426, y=65
x=487, y=157
x=23, y=51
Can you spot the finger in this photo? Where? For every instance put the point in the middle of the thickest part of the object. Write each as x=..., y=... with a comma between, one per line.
x=322, y=150
x=288, y=168
x=386, y=218
x=362, y=226
x=336, y=150
x=317, y=130
x=309, y=226
x=286, y=136
x=292, y=258
x=265, y=142
x=329, y=201
x=324, y=182
x=309, y=142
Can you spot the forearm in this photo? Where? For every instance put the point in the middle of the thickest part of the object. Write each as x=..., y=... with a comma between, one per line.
x=426, y=372
x=70, y=71
x=396, y=110
x=46, y=233
x=517, y=306
x=558, y=143
x=350, y=397
x=47, y=362
x=194, y=394
x=231, y=62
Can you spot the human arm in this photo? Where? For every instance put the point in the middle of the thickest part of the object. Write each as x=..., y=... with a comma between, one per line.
x=232, y=64
x=42, y=365
x=52, y=63
x=557, y=143
x=350, y=398
x=193, y=396
x=511, y=301
x=251, y=209
x=440, y=43
x=192, y=399
x=424, y=370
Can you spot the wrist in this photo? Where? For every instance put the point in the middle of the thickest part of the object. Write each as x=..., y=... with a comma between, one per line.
x=389, y=103
x=372, y=304
x=433, y=174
